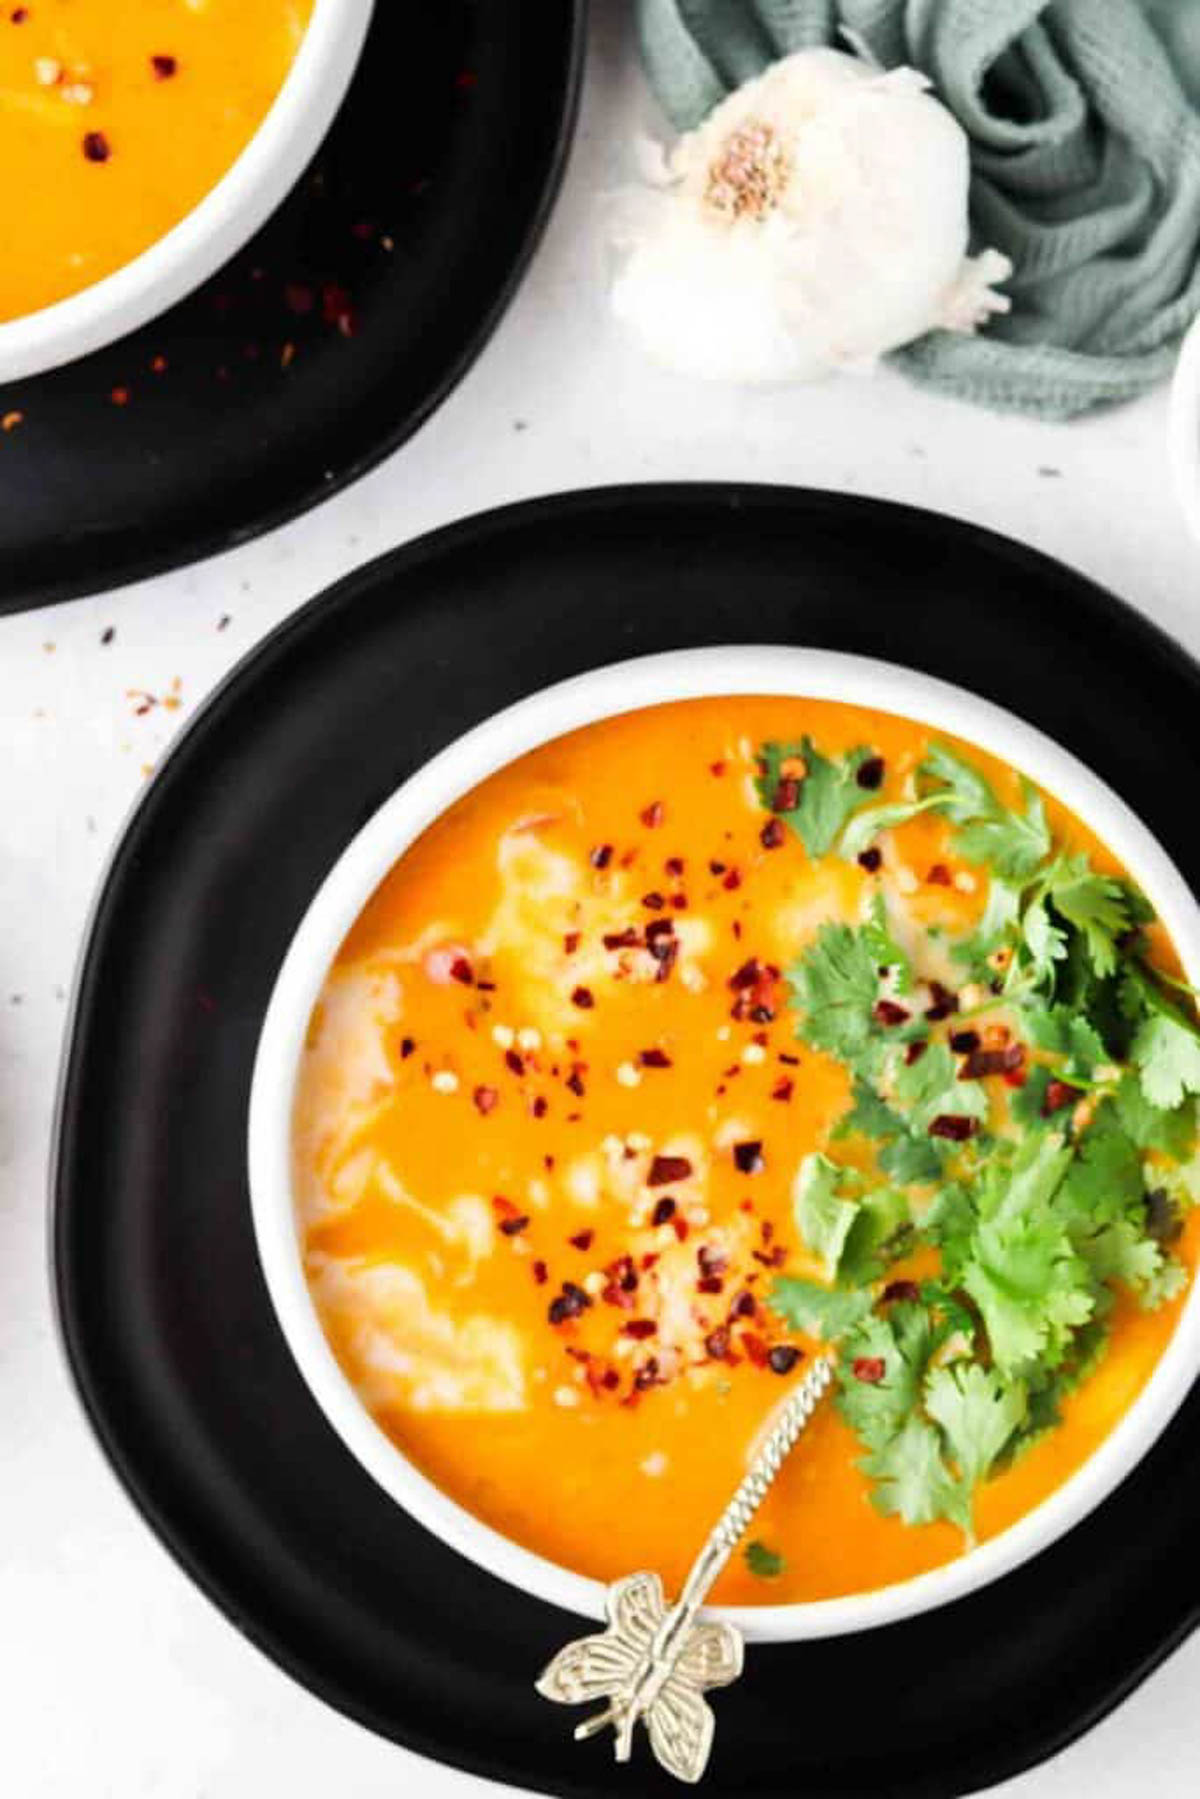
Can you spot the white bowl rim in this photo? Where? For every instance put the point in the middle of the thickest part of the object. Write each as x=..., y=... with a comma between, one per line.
x=607, y=692
x=223, y=219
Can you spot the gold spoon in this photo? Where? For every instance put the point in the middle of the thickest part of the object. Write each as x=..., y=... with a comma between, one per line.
x=654, y=1662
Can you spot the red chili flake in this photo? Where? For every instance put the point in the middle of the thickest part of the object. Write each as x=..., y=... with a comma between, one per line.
x=610, y=1379
x=674, y=866
x=666, y=1169
x=870, y=773
x=766, y=1230
x=870, y=859
x=716, y=868
x=407, y=1047
x=710, y=1283
x=461, y=971
x=938, y=876
x=783, y=1089
x=1057, y=1095
x=666, y=955
x=656, y=931
x=772, y=834
x=786, y=796
x=748, y=1157
x=513, y=1061
x=944, y=1002
x=648, y=1261
x=653, y=902
x=774, y=1258
x=654, y=1058
x=601, y=856
x=571, y=942
x=731, y=883
x=486, y=1100
x=915, y=1050
x=1016, y=1077
x=897, y=1290
x=164, y=67
x=575, y=1080
x=582, y=1239
x=583, y=998
x=626, y=939
x=747, y=975
x=19, y=14
x=869, y=1368
x=716, y=1344
x=646, y=1375
x=963, y=1042
x=639, y=1327
x=680, y=1227
x=623, y=1273
x=663, y=1212
x=96, y=147
x=569, y=1304
x=653, y=815
x=783, y=1357
x=754, y=1347
x=711, y=1261
x=743, y=1305
x=888, y=1012
x=983, y=1062
x=540, y=1272
x=539, y=1106
x=679, y=901
x=512, y=1227
x=954, y=1127
x=791, y=1061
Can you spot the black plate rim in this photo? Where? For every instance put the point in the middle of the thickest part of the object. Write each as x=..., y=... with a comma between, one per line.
x=135, y=568
x=429, y=547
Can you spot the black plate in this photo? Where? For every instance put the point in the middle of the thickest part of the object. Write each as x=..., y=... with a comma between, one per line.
x=376, y=283
x=166, y=1320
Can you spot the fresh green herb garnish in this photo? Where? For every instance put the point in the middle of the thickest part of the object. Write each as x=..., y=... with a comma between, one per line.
x=816, y=802
x=1045, y=1180
x=766, y=1564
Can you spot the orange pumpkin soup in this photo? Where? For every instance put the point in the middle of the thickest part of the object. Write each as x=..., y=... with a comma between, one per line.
x=115, y=120
x=707, y=1033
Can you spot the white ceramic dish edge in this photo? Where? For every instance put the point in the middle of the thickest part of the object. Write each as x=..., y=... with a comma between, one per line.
x=218, y=226
x=1184, y=429
x=604, y=693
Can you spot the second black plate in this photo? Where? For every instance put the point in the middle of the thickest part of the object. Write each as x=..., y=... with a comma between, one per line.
x=166, y=1319
x=330, y=338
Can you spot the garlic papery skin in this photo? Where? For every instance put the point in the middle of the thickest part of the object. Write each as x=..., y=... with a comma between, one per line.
x=816, y=220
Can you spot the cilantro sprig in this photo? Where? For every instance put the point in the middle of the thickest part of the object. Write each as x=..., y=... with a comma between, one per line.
x=1040, y=1201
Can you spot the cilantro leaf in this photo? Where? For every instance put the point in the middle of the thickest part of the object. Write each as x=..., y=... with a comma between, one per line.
x=1062, y=1032
x=1012, y=843
x=1167, y=1055
x=826, y=794
x=930, y=1088
x=834, y=985
x=1031, y=1288
x=903, y=1157
x=875, y=1404
x=763, y=1563
x=883, y=948
x=978, y=1410
x=865, y=826
x=880, y=1233
x=1172, y=1131
x=1045, y=940
x=823, y=1216
x=1104, y=1181
x=950, y=1224
x=1121, y=1252
x=997, y=929
x=826, y=1313
x=1096, y=904
x=911, y=1478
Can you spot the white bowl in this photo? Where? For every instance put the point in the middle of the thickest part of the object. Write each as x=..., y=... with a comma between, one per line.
x=230, y=213
x=691, y=674
x=1184, y=429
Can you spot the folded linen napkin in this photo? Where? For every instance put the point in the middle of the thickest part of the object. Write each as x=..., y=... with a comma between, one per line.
x=1084, y=123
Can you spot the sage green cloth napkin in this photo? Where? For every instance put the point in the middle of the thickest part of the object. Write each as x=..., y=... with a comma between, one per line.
x=1084, y=123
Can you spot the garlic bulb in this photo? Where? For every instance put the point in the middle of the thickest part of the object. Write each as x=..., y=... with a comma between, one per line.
x=817, y=219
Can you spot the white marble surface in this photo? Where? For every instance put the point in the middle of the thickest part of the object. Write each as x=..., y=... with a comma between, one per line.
x=118, y=1678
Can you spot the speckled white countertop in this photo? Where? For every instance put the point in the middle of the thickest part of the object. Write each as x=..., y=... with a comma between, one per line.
x=118, y=1678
